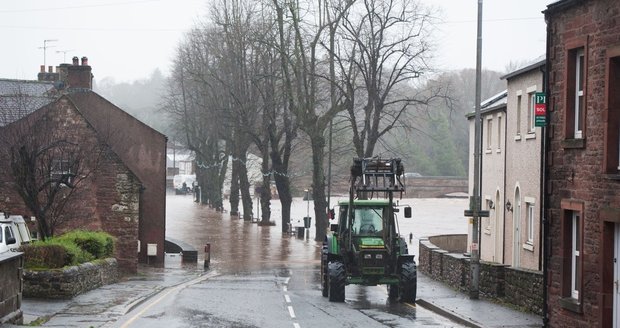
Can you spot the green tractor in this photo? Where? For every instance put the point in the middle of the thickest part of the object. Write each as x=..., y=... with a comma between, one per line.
x=364, y=247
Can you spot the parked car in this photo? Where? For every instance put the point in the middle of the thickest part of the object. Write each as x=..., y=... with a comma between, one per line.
x=13, y=232
x=183, y=183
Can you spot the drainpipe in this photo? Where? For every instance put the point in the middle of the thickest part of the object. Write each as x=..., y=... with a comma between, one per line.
x=544, y=179
x=505, y=165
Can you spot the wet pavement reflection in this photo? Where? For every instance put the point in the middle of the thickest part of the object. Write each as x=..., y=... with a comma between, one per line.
x=241, y=247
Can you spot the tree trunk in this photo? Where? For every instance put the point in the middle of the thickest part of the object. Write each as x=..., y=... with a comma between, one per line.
x=244, y=186
x=280, y=176
x=234, y=187
x=265, y=196
x=318, y=186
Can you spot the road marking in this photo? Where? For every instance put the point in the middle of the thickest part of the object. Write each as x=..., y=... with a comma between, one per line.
x=296, y=325
x=287, y=298
x=291, y=312
x=287, y=280
x=164, y=295
x=285, y=288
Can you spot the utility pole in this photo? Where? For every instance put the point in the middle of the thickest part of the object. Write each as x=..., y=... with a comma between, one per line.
x=45, y=46
x=474, y=204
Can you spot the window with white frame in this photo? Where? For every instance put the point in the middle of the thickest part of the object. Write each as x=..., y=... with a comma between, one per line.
x=531, y=115
x=518, y=120
x=578, y=91
x=499, y=132
x=489, y=132
x=61, y=171
x=575, y=254
x=530, y=221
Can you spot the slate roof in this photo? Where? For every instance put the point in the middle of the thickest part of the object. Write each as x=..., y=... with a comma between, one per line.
x=19, y=98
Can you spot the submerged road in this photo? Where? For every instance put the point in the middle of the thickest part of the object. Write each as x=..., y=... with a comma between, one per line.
x=261, y=278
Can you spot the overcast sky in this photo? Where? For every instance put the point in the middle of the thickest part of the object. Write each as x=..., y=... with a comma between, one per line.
x=128, y=39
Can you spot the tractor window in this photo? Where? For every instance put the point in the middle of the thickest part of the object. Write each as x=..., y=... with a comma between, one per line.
x=368, y=221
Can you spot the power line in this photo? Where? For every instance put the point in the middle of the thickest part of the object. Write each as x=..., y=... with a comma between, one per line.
x=77, y=7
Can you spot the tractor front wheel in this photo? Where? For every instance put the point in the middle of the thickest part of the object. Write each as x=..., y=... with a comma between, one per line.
x=337, y=280
x=408, y=282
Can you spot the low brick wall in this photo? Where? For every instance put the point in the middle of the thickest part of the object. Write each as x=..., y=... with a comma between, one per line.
x=11, y=266
x=71, y=281
x=518, y=287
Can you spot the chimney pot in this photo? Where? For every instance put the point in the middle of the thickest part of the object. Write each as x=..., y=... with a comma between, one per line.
x=50, y=69
x=84, y=61
x=76, y=61
x=42, y=68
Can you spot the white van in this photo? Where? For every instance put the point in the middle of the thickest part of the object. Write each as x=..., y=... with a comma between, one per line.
x=13, y=232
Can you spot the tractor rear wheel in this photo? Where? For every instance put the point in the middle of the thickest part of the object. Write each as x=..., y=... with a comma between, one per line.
x=324, y=285
x=337, y=281
x=408, y=282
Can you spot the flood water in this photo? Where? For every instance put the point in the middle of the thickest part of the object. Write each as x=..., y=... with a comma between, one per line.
x=239, y=246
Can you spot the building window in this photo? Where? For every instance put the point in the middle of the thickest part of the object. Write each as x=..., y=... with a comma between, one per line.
x=518, y=115
x=61, y=172
x=612, y=128
x=575, y=255
x=572, y=262
x=489, y=132
x=575, y=96
x=530, y=222
x=499, y=133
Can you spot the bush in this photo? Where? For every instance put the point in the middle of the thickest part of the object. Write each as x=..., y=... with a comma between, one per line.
x=53, y=254
x=97, y=243
x=72, y=248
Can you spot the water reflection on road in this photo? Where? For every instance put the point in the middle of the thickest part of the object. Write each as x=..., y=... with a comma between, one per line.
x=240, y=246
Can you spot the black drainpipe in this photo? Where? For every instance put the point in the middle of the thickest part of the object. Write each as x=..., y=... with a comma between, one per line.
x=544, y=178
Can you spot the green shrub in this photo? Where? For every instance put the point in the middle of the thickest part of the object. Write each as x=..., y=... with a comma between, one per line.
x=44, y=256
x=97, y=243
x=53, y=254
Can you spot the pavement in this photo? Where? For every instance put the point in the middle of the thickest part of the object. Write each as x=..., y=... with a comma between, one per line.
x=457, y=306
x=103, y=306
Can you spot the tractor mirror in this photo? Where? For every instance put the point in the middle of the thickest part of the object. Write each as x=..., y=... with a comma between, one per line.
x=408, y=211
x=332, y=214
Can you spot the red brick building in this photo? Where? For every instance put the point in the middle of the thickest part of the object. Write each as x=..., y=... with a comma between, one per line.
x=583, y=181
x=125, y=195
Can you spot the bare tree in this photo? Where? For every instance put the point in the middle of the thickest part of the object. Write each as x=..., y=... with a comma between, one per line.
x=384, y=48
x=48, y=163
x=303, y=88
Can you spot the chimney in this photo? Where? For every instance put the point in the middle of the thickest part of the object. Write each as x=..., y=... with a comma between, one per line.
x=50, y=69
x=79, y=76
x=48, y=76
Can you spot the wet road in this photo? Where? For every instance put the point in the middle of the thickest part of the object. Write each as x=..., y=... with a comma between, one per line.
x=261, y=278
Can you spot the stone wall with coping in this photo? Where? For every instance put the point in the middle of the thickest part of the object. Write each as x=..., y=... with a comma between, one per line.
x=70, y=281
x=11, y=285
x=502, y=283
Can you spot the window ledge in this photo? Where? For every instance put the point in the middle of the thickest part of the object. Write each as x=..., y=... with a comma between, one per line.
x=488, y=151
x=530, y=135
x=498, y=151
x=570, y=304
x=517, y=137
x=573, y=143
x=487, y=231
x=612, y=176
x=528, y=246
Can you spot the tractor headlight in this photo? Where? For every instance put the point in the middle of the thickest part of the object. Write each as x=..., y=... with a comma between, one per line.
x=367, y=256
x=379, y=256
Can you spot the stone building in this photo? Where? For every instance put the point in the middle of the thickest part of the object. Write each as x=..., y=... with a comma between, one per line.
x=583, y=181
x=125, y=192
